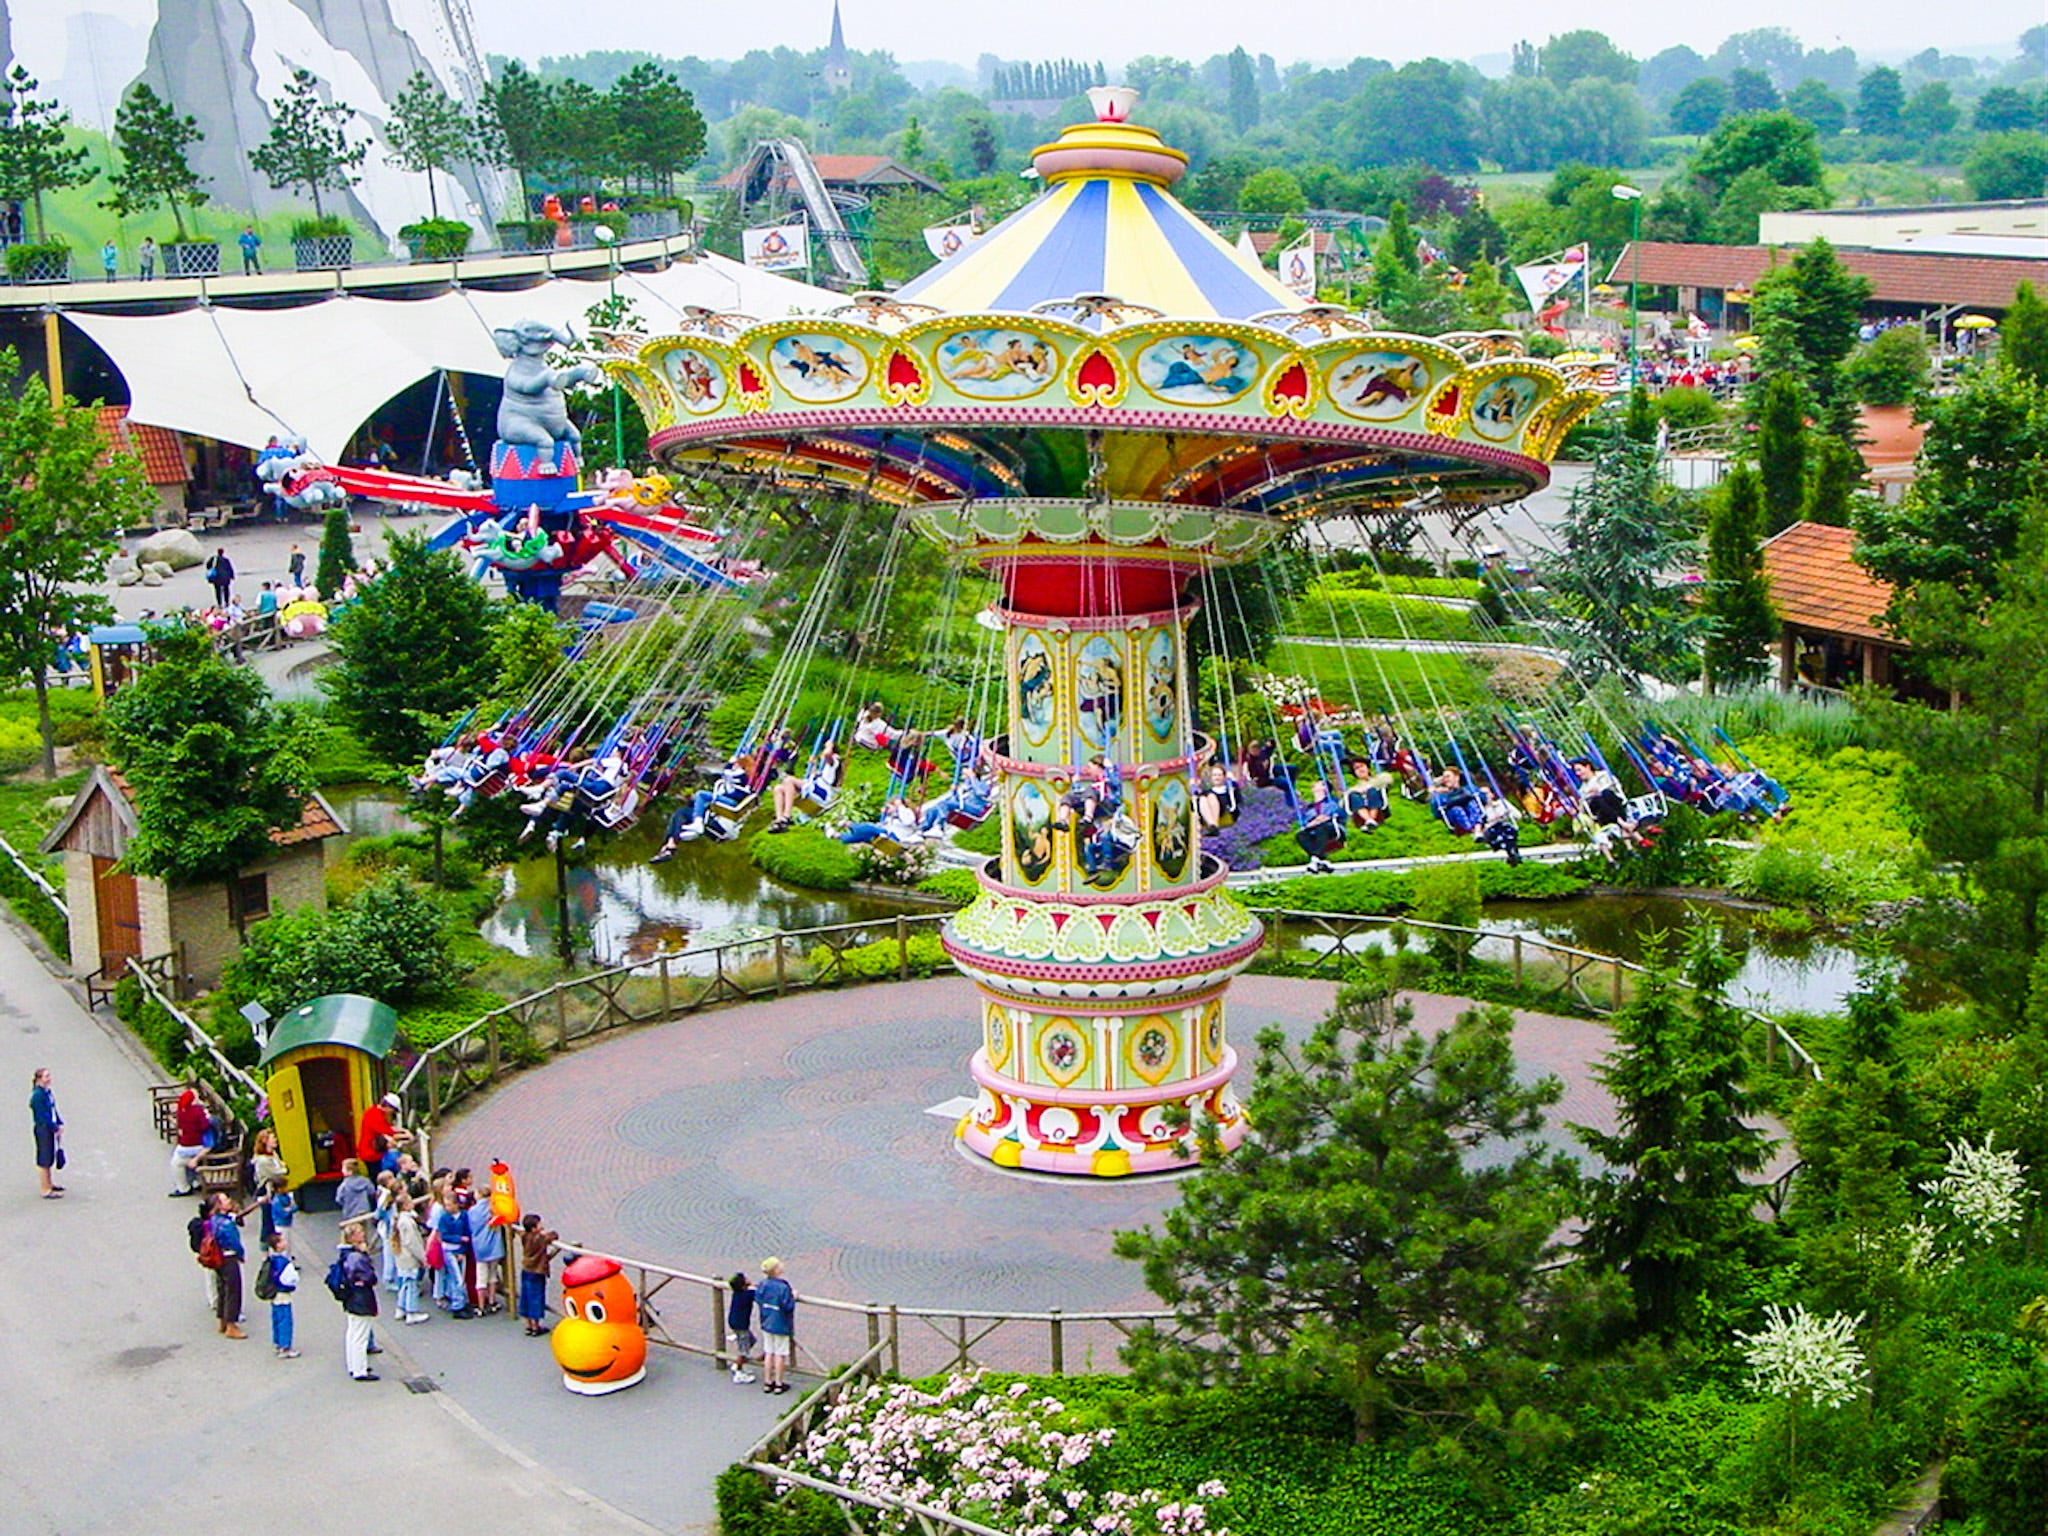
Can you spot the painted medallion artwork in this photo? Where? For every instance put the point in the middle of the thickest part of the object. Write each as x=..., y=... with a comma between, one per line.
x=1499, y=408
x=995, y=364
x=1198, y=370
x=819, y=369
x=1162, y=691
x=1170, y=827
x=1379, y=385
x=1062, y=1050
x=1099, y=692
x=1151, y=1048
x=1031, y=832
x=699, y=382
x=1034, y=689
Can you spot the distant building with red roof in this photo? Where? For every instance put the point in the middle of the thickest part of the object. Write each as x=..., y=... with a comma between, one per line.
x=1831, y=610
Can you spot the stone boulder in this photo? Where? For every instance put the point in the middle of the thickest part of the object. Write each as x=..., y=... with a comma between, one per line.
x=178, y=548
x=150, y=578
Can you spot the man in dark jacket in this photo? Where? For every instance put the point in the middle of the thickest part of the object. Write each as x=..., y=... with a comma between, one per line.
x=358, y=1299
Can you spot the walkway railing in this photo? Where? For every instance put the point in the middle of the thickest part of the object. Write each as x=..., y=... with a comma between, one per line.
x=35, y=878
x=157, y=976
x=682, y=982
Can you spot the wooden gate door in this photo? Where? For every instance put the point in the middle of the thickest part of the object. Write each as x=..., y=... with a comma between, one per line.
x=120, y=918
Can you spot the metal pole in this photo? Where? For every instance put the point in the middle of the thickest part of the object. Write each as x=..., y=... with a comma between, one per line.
x=1635, y=279
x=53, y=355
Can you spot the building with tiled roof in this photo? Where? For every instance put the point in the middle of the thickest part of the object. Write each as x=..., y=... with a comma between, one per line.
x=161, y=451
x=856, y=175
x=118, y=916
x=1831, y=611
x=1901, y=282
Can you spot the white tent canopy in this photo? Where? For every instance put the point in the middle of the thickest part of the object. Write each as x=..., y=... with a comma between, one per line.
x=318, y=371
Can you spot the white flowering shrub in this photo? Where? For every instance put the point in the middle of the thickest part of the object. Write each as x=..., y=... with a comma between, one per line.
x=1804, y=1358
x=1984, y=1188
x=1007, y=1459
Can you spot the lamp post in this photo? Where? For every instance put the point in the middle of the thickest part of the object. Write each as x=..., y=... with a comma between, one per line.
x=1633, y=196
x=610, y=238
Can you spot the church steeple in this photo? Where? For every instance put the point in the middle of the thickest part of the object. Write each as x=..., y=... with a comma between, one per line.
x=838, y=72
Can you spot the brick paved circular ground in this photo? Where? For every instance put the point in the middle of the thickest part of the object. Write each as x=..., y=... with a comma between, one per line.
x=799, y=1127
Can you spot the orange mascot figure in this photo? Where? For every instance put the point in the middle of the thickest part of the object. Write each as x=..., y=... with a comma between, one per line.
x=504, y=1197
x=599, y=1343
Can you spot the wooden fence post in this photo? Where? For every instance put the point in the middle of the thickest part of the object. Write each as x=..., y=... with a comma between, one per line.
x=718, y=1330
x=902, y=948
x=1058, y=1329
x=874, y=1338
x=895, y=1341
x=668, y=1006
x=1614, y=969
x=433, y=1089
x=561, y=1019
x=491, y=1049
x=1518, y=959
x=781, y=966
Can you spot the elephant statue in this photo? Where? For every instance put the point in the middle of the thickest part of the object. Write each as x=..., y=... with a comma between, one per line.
x=535, y=412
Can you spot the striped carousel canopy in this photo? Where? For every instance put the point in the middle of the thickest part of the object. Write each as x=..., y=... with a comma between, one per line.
x=1107, y=225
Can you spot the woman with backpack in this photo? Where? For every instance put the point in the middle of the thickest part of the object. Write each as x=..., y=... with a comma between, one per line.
x=220, y=1250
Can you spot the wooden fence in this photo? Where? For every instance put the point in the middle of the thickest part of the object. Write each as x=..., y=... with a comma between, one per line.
x=35, y=878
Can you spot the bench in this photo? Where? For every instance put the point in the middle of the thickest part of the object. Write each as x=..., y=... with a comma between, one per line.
x=221, y=1167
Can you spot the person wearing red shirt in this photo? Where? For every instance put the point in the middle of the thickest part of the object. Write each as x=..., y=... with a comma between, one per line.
x=380, y=1137
x=195, y=1125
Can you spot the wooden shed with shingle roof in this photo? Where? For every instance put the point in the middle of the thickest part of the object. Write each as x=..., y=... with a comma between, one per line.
x=1831, y=610
x=118, y=917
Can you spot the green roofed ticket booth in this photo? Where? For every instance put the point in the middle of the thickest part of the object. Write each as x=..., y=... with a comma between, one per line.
x=324, y=1066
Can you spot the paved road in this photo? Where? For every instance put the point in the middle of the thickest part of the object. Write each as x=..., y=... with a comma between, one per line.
x=131, y=1413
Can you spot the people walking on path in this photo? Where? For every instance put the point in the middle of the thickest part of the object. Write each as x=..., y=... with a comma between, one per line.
x=251, y=243
x=295, y=567
x=220, y=575
x=777, y=1299
x=49, y=1129
x=145, y=259
x=353, y=1280
x=226, y=1233
x=281, y=1282
x=194, y=1126
x=739, y=1318
x=536, y=1255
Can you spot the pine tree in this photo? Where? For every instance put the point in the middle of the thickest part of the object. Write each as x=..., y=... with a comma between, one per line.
x=515, y=125
x=2023, y=339
x=337, y=553
x=308, y=145
x=1737, y=600
x=429, y=133
x=33, y=156
x=1831, y=488
x=1806, y=316
x=153, y=140
x=1244, y=92
x=1781, y=451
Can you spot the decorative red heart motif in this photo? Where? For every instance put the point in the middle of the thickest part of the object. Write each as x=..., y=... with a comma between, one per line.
x=1107, y=919
x=1097, y=373
x=1152, y=919
x=903, y=374
x=1446, y=404
x=1059, y=920
x=750, y=381
x=1292, y=385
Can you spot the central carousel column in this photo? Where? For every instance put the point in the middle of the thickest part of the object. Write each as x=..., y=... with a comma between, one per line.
x=1102, y=944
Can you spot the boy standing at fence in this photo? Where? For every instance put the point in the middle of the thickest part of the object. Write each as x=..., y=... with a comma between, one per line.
x=739, y=1317
x=777, y=1299
x=536, y=1253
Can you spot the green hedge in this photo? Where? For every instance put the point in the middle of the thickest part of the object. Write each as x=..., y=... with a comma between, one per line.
x=34, y=908
x=437, y=239
x=879, y=961
x=428, y=1023
x=805, y=856
x=1376, y=892
x=958, y=886
x=150, y=1022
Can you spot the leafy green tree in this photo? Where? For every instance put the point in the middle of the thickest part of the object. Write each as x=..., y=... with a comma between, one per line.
x=412, y=652
x=1604, y=123
x=1890, y=368
x=2002, y=165
x=1983, y=463
x=1880, y=103
x=215, y=766
x=1781, y=450
x=515, y=125
x=1931, y=111
x=1999, y=1473
x=1737, y=599
x=1833, y=482
x=1585, y=55
x=660, y=131
x=1699, y=108
x=429, y=132
x=1521, y=122
x=1272, y=191
x=1816, y=104
x=2003, y=108
x=1979, y=777
x=583, y=135
x=1243, y=107
x=1385, y=1234
x=308, y=144
x=1664, y=76
x=2023, y=338
x=1783, y=147
x=337, y=555
x=63, y=503
x=34, y=159
x=1625, y=533
x=154, y=171
x=389, y=942
x=1674, y=1213
x=1419, y=113
x=1751, y=90
x=1806, y=316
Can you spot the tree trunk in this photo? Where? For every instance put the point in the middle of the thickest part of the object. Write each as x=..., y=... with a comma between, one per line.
x=433, y=203
x=40, y=678
x=177, y=219
x=318, y=211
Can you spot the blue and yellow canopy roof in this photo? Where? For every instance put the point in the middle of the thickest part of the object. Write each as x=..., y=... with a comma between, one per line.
x=1106, y=225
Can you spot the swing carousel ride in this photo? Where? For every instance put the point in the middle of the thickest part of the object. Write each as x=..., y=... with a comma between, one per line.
x=1101, y=406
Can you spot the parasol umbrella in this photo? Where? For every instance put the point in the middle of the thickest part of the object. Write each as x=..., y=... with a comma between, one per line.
x=1975, y=323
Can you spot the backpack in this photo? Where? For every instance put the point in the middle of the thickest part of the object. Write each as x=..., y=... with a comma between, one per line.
x=337, y=1281
x=210, y=1256
x=195, y=1231
x=266, y=1282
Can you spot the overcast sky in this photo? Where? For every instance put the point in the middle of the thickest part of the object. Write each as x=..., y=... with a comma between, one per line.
x=1116, y=30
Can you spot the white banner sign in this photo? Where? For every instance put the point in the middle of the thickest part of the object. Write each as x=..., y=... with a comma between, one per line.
x=782, y=248
x=945, y=240
x=1543, y=280
x=1298, y=266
